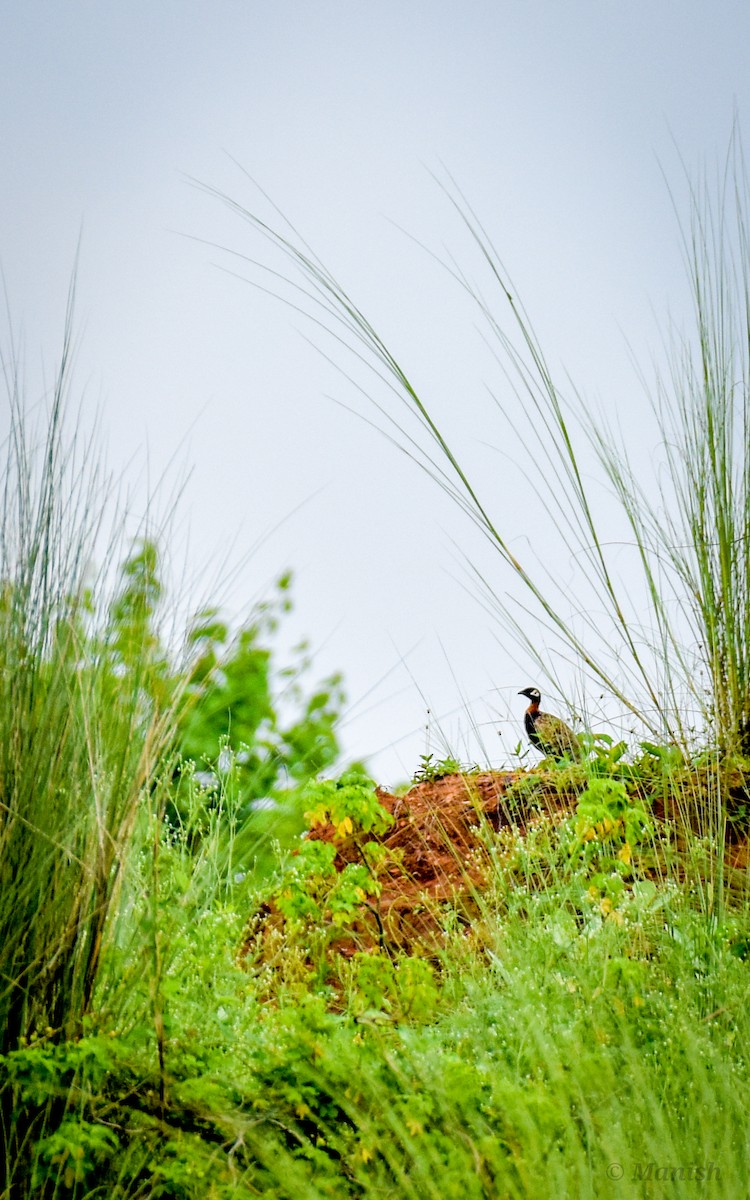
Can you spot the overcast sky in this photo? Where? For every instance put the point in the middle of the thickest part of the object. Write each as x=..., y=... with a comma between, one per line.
x=563, y=123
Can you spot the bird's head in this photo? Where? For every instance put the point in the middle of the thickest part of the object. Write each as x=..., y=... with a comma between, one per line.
x=533, y=694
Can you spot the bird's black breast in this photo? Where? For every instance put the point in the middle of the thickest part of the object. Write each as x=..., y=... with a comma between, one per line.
x=529, y=721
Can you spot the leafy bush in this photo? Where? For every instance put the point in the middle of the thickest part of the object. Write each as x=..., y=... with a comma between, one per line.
x=232, y=722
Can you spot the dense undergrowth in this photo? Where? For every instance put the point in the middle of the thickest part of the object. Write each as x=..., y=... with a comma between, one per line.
x=563, y=1036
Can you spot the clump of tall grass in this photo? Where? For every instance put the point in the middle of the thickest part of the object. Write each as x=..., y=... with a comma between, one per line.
x=81, y=736
x=675, y=654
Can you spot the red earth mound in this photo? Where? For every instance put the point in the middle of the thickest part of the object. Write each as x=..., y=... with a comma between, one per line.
x=437, y=847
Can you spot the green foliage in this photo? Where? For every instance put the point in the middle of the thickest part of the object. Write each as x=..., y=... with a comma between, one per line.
x=601, y=752
x=249, y=729
x=346, y=803
x=320, y=906
x=403, y=989
x=306, y=881
x=132, y=639
x=73, y=1153
x=45, y=1070
x=429, y=770
x=607, y=815
x=244, y=730
x=310, y=890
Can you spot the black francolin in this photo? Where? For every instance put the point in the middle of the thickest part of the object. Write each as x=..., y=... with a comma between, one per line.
x=548, y=733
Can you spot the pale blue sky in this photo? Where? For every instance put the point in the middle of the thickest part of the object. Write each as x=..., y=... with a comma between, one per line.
x=558, y=121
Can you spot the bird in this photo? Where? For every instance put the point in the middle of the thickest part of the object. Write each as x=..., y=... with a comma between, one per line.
x=549, y=734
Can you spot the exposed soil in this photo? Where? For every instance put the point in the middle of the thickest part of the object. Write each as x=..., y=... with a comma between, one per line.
x=438, y=851
x=438, y=854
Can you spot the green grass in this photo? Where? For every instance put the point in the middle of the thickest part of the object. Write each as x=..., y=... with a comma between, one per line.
x=546, y=1043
